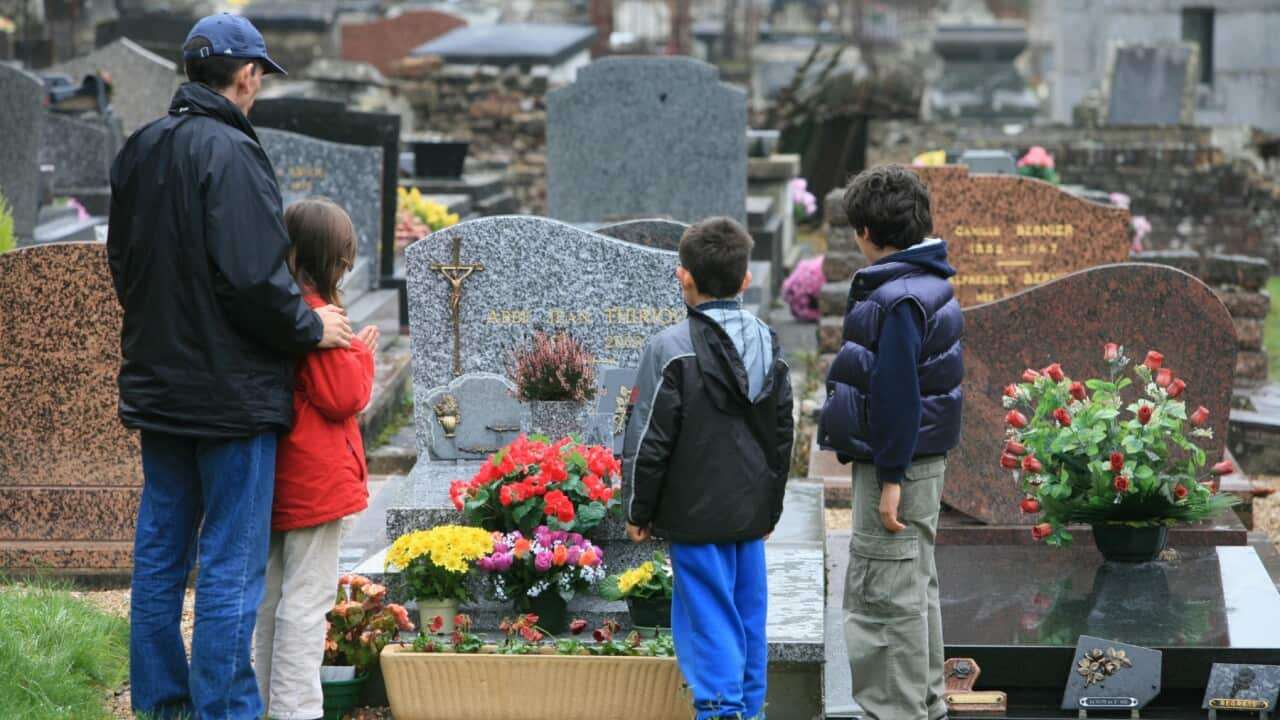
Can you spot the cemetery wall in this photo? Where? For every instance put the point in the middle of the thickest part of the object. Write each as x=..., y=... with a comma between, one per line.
x=1201, y=189
x=501, y=111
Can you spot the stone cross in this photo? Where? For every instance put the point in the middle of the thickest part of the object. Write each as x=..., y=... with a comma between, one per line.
x=455, y=272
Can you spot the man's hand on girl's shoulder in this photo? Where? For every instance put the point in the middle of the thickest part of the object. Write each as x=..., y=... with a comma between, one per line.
x=639, y=534
x=337, y=327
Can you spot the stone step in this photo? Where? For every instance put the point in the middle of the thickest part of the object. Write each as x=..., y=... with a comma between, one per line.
x=102, y=561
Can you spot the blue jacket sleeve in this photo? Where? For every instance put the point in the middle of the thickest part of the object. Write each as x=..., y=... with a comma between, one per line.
x=895, y=392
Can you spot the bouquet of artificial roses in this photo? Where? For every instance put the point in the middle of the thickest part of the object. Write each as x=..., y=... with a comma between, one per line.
x=527, y=484
x=545, y=561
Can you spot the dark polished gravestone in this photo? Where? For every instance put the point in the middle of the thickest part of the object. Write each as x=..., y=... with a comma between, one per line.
x=645, y=137
x=350, y=175
x=1020, y=610
x=1149, y=85
x=1142, y=307
x=332, y=121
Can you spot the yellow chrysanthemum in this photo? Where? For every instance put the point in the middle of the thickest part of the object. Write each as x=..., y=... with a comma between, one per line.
x=451, y=547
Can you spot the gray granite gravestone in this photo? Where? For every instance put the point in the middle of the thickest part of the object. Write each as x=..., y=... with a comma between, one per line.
x=666, y=234
x=481, y=286
x=350, y=175
x=142, y=82
x=80, y=151
x=469, y=419
x=1242, y=688
x=1152, y=84
x=615, y=395
x=644, y=137
x=21, y=125
x=1107, y=675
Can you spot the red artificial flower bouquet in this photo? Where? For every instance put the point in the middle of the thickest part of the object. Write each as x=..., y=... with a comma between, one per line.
x=1083, y=455
x=565, y=486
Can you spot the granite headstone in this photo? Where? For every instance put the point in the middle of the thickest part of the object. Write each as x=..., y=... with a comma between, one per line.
x=80, y=151
x=654, y=233
x=1137, y=305
x=1108, y=675
x=615, y=396
x=646, y=137
x=70, y=474
x=347, y=174
x=481, y=286
x=1148, y=85
x=21, y=125
x=332, y=121
x=1242, y=688
x=468, y=419
x=142, y=82
x=1006, y=233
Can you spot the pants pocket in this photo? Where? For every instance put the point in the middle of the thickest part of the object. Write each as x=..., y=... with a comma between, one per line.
x=882, y=576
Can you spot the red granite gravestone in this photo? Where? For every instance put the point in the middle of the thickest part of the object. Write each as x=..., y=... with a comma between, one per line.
x=1142, y=307
x=70, y=474
x=383, y=42
x=1006, y=233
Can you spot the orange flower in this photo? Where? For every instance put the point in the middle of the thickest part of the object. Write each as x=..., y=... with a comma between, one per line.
x=588, y=558
x=522, y=547
x=560, y=556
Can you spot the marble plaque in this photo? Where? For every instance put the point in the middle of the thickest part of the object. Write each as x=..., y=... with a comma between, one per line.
x=1242, y=688
x=640, y=137
x=1109, y=675
x=470, y=418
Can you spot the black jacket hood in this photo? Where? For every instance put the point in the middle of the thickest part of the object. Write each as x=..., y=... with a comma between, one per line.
x=200, y=99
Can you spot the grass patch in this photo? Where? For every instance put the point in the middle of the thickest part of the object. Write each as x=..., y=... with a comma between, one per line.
x=398, y=422
x=1272, y=333
x=59, y=656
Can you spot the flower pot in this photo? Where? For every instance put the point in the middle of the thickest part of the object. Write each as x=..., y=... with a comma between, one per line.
x=374, y=693
x=337, y=673
x=1122, y=543
x=649, y=613
x=439, y=158
x=550, y=609
x=555, y=418
x=442, y=686
x=341, y=696
x=429, y=608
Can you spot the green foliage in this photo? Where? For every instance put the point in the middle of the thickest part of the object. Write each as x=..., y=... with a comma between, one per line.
x=59, y=656
x=1038, y=172
x=7, y=240
x=649, y=580
x=1067, y=467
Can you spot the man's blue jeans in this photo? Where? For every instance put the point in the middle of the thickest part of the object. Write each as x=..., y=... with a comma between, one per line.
x=209, y=499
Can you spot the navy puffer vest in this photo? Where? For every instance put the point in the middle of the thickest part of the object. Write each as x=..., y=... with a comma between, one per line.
x=846, y=422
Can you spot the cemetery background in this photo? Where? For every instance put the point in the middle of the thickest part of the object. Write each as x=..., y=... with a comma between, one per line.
x=1210, y=195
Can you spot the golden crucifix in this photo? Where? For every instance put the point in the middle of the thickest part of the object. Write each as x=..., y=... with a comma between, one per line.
x=455, y=272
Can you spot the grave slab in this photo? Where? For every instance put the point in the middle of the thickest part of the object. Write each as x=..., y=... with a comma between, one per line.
x=21, y=125
x=510, y=44
x=1151, y=85
x=346, y=174
x=646, y=137
x=80, y=151
x=70, y=474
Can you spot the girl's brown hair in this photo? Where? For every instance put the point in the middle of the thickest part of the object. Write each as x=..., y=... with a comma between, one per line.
x=322, y=245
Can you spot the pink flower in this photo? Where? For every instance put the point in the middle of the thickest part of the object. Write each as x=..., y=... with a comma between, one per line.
x=800, y=289
x=1037, y=156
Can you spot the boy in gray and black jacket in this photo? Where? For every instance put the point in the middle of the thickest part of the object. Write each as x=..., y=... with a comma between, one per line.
x=705, y=463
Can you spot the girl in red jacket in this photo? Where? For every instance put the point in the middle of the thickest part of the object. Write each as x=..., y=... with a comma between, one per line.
x=321, y=476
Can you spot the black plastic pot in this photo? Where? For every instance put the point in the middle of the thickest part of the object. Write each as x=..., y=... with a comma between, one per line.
x=1125, y=544
x=439, y=159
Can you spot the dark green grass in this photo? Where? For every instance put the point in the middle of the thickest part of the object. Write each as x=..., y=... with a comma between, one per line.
x=1272, y=336
x=59, y=657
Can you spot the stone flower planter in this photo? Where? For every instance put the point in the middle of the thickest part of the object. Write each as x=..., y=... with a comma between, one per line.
x=449, y=686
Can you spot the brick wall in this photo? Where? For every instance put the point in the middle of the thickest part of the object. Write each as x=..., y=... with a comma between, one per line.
x=501, y=111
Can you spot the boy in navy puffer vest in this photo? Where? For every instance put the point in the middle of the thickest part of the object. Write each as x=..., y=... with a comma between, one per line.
x=893, y=408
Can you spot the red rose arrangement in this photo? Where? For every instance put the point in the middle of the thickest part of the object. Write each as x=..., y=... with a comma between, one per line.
x=564, y=485
x=1081, y=454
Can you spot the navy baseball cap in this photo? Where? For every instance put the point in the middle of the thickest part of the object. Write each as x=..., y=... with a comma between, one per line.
x=231, y=36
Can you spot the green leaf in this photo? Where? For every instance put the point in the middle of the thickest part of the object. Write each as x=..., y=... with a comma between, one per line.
x=590, y=515
x=521, y=511
x=1100, y=385
x=1124, y=383
x=1143, y=472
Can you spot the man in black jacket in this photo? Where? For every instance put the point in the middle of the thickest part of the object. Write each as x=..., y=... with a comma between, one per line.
x=212, y=325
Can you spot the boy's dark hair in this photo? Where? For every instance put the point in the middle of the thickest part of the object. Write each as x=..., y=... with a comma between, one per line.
x=892, y=203
x=216, y=71
x=715, y=252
